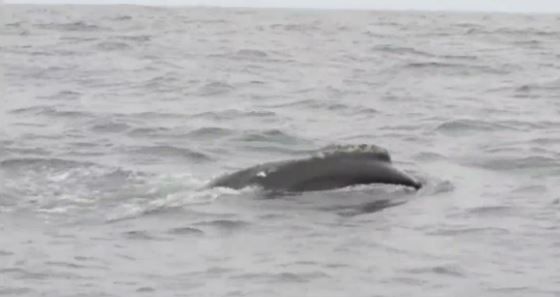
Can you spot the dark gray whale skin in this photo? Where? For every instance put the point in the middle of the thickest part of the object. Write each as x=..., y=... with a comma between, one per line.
x=341, y=167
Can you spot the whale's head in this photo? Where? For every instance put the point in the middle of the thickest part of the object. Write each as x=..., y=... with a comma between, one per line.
x=385, y=172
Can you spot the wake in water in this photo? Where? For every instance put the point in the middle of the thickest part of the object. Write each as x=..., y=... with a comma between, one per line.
x=63, y=187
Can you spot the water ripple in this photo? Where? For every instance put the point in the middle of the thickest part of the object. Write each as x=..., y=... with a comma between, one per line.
x=283, y=277
x=225, y=225
x=73, y=26
x=232, y=114
x=520, y=163
x=113, y=46
x=166, y=151
x=215, y=88
x=270, y=137
x=52, y=111
x=467, y=126
x=186, y=231
x=250, y=54
x=210, y=133
x=38, y=163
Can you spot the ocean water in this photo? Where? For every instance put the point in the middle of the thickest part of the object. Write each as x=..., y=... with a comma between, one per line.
x=113, y=118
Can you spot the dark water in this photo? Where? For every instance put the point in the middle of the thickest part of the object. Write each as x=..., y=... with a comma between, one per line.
x=113, y=118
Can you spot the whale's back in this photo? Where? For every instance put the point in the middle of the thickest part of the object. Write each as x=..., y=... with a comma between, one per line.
x=372, y=152
x=333, y=167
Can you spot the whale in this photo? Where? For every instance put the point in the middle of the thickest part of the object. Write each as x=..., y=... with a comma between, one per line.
x=332, y=168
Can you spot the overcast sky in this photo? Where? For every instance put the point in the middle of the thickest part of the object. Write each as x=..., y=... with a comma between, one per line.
x=552, y=6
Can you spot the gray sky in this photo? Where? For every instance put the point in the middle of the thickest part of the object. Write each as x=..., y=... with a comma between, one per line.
x=552, y=6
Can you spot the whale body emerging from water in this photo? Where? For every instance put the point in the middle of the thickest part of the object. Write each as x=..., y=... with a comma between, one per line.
x=338, y=167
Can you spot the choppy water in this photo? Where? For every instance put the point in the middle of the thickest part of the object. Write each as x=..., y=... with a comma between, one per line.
x=113, y=118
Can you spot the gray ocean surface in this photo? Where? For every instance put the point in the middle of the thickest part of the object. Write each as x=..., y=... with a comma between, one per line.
x=113, y=118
